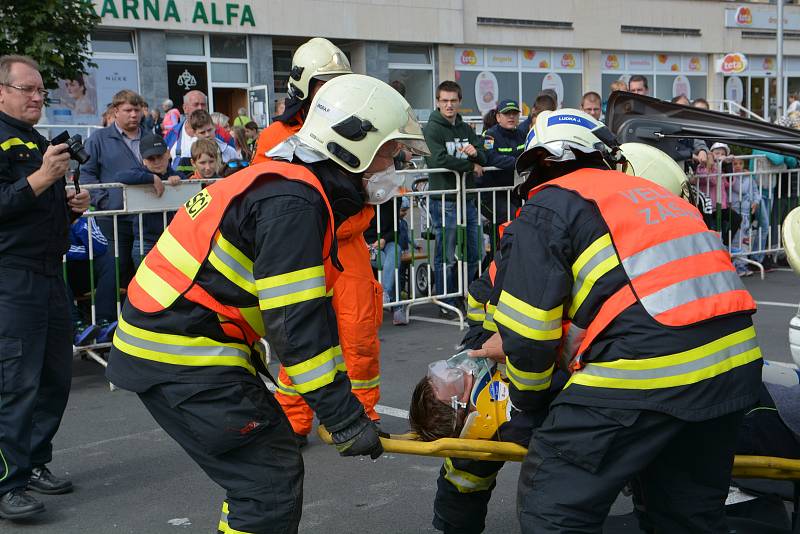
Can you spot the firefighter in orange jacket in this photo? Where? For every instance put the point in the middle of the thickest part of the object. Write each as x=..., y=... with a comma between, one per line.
x=357, y=296
x=251, y=257
x=661, y=346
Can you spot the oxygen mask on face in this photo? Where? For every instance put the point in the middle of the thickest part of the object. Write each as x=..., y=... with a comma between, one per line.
x=451, y=377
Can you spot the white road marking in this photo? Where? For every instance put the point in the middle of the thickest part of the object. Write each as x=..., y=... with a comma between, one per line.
x=780, y=304
x=393, y=412
x=147, y=434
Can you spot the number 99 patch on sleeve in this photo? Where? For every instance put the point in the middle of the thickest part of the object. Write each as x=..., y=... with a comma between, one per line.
x=197, y=203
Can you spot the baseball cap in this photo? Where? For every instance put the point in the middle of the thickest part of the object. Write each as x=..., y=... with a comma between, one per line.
x=507, y=105
x=152, y=145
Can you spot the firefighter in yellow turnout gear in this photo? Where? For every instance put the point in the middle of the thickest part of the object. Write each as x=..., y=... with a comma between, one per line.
x=254, y=256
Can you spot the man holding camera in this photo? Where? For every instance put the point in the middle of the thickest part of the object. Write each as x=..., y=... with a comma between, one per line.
x=35, y=328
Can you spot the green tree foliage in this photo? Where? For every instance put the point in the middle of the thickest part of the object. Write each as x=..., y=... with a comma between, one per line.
x=53, y=32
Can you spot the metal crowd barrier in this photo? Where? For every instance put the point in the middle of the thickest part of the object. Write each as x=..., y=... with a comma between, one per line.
x=748, y=206
x=137, y=201
x=769, y=193
x=419, y=261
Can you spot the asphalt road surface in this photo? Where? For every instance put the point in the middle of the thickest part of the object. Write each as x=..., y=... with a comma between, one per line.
x=130, y=477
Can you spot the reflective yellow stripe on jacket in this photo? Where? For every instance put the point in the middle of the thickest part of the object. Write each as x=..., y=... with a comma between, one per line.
x=318, y=371
x=598, y=258
x=474, y=309
x=16, y=141
x=466, y=482
x=528, y=380
x=488, y=320
x=232, y=264
x=526, y=320
x=291, y=288
x=365, y=384
x=672, y=370
x=179, y=350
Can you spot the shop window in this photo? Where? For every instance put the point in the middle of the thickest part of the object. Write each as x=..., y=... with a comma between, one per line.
x=670, y=86
x=228, y=46
x=482, y=90
x=185, y=44
x=113, y=42
x=568, y=86
x=418, y=84
x=410, y=55
x=229, y=72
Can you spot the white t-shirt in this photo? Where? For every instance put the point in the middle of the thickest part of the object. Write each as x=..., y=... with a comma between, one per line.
x=226, y=151
x=186, y=142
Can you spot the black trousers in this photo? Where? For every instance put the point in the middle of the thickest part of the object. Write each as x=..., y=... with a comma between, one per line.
x=581, y=457
x=35, y=369
x=237, y=433
x=456, y=511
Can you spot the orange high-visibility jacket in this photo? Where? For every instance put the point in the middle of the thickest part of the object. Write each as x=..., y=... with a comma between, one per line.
x=170, y=269
x=678, y=269
x=357, y=300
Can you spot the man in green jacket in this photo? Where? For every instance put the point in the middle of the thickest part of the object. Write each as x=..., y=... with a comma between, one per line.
x=453, y=145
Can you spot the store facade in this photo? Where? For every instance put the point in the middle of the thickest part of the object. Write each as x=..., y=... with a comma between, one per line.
x=164, y=48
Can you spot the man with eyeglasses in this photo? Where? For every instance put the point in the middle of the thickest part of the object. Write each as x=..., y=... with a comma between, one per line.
x=35, y=330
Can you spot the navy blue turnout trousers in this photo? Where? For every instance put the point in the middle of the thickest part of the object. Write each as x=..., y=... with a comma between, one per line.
x=35, y=366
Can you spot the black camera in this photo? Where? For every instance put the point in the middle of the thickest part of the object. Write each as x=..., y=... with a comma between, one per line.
x=74, y=146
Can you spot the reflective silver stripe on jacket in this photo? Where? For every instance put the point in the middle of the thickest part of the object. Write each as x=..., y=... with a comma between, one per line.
x=182, y=350
x=292, y=287
x=321, y=370
x=710, y=360
x=235, y=266
x=523, y=319
x=690, y=290
x=672, y=250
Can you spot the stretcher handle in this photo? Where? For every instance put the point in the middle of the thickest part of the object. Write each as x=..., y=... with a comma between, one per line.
x=768, y=467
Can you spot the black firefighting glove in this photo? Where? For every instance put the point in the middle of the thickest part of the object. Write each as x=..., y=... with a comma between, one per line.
x=360, y=438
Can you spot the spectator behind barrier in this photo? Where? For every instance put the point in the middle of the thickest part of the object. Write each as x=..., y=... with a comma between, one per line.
x=770, y=169
x=199, y=126
x=453, y=145
x=242, y=118
x=545, y=101
x=176, y=138
x=745, y=200
x=503, y=143
x=157, y=170
x=114, y=150
x=592, y=104
x=205, y=159
x=251, y=131
x=638, y=84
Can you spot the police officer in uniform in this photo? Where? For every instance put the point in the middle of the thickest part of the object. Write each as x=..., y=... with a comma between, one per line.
x=254, y=256
x=35, y=330
x=660, y=345
x=503, y=143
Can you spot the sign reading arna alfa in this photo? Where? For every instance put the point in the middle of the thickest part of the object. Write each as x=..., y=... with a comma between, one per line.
x=217, y=13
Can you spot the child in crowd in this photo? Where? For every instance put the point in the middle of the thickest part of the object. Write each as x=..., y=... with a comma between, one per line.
x=714, y=184
x=147, y=228
x=205, y=159
x=251, y=132
x=745, y=199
